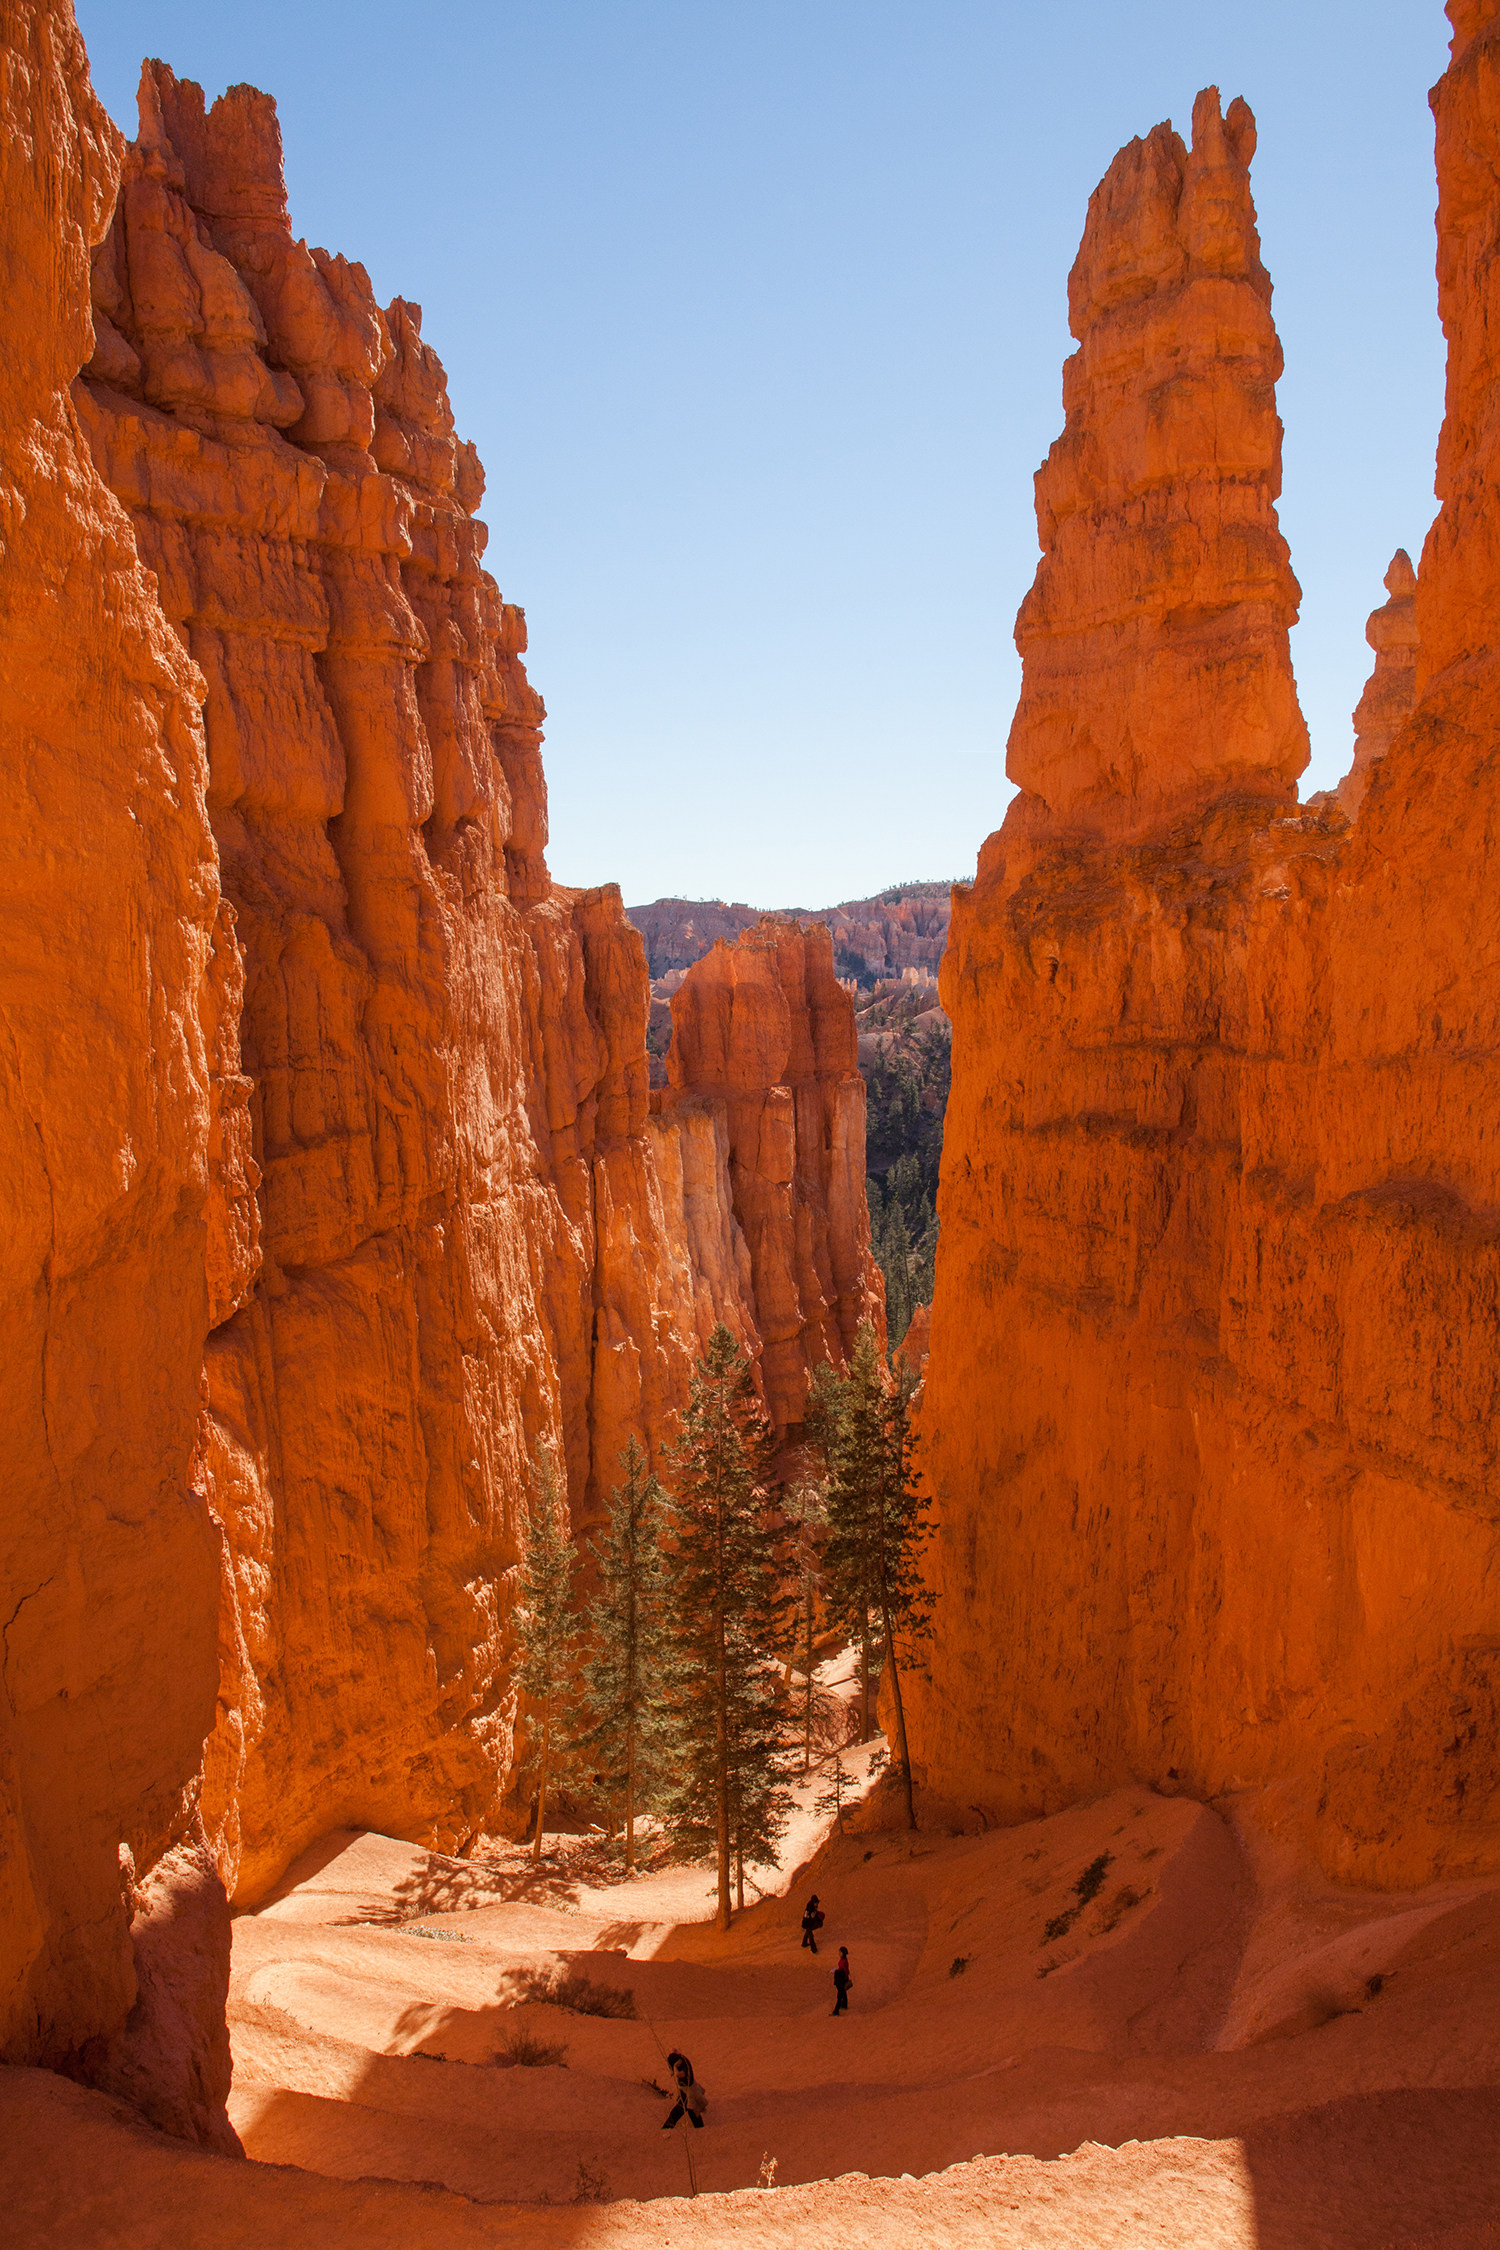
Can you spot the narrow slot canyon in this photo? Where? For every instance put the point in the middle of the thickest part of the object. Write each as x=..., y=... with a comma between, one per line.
x=1047, y=1326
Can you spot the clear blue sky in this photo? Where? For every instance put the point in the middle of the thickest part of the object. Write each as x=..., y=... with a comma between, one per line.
x=756, y=311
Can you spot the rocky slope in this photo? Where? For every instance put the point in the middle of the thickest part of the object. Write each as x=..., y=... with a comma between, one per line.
x=333, y=1182
x=763, y=1039
x=1211, y=1404
x=903, y=928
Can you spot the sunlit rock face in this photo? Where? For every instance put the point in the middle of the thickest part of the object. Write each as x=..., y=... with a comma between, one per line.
x=126, y=1190
x=475, y=1237
x=1211, y=1399
x=1154, y=640
x=1391, y=689
x=763, y=1039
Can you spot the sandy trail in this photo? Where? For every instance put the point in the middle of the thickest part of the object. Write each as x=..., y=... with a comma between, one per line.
x=1219, y=2046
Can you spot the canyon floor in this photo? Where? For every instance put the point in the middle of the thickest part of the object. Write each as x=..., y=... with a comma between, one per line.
x=1216, y=2047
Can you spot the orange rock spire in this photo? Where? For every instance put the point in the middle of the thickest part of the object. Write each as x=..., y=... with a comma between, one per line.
x=1154, y=641
x=1391, y=689
x=1211, y=1398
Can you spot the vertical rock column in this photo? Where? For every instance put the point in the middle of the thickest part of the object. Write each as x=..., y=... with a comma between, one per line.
x=120, y=1189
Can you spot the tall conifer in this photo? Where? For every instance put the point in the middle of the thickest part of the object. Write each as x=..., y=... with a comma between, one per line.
x=725, y=1620
x=877, y=1525
x=626, y=1671
x=544, y=1618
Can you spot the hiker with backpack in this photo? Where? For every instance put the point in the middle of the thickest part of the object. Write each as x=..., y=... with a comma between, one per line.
x=812, y=1922
x=691, y=2100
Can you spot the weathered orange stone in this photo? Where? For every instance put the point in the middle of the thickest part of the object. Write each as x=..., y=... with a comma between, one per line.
x=1212, y=1395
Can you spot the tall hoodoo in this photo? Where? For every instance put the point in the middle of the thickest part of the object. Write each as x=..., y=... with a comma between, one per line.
x=1391, y=689
x=1211, y=1397
x=1154, y=640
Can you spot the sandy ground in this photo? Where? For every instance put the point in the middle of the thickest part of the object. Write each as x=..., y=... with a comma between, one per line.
x=1217, y=2048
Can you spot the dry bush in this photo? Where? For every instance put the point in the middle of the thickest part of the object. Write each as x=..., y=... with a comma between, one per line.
x=524, y=2047
x=1119, y=1906
x=570, y=1988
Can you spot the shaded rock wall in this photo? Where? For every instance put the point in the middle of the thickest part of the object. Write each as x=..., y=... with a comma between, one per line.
x=125, y=1202
x=763, y=1040
x=1211, y=1401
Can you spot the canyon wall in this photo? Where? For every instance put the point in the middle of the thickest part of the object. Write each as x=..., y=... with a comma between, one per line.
x=475, y=1237
x=333, y=1182
x=763, y=1043
x=125, y=1189
x=1212, y=1397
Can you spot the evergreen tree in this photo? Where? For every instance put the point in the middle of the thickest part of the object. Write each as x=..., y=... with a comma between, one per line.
x=544, y=1618
x=725, y=1623
x=626, y=1670
x=830, y=1799
x=806, y=1518
x=877, y=1526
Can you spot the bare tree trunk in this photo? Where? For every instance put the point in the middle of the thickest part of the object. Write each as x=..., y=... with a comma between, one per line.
x=864, y=1685
x=630, y=1798
x=905, y=1754
x=541, y=1786
x=739, y=1869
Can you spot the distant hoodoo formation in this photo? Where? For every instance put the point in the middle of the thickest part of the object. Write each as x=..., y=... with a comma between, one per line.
x=332, y=1180
x=1211, y=1402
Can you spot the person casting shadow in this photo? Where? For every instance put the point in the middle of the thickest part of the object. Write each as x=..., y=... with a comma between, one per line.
x=691, y=2100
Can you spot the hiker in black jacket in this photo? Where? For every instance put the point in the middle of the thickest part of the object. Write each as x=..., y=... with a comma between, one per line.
x=812, y=1922
x=842, y=1981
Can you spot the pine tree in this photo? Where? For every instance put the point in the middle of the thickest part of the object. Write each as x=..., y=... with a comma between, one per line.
x=830, y=1799
x=544, y=1617
x=626, y=1670
x=725, y=1624
x=806, y=1518
x=877, y=1526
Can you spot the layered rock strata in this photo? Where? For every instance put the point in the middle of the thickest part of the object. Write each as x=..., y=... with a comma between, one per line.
x=332, y=1183
x=126, y=1192
x=1391, y=689
x=1211, y=1403
x=475, y=1238
x=763, y=1039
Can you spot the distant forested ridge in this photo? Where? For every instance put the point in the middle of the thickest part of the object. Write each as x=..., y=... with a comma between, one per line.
x=905, y=1056
x=902, y=927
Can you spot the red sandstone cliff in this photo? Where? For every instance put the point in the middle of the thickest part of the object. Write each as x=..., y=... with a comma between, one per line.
x=1211, y=1402
x=126, y=1195
x=763, y=1036
x=332, y=1183
x=468, y=1214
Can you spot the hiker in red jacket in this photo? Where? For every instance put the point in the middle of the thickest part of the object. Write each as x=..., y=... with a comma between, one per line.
x=842, y=1981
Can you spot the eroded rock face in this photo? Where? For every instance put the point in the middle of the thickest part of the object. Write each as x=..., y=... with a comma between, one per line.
x=1211, y=1403
x=1391, y=689
x=763, y=1037
x=126, y=1194
x=475, y=1236
x=1154, y=640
